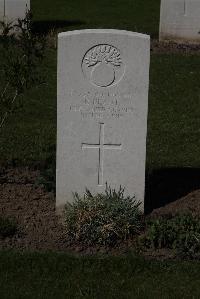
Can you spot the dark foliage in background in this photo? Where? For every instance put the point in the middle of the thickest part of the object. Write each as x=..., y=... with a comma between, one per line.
x=22, y=54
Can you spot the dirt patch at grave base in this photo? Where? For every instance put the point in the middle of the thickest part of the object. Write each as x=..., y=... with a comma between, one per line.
x=39, y=227
x=33, y=209
x=190, y=204
x=168, y=47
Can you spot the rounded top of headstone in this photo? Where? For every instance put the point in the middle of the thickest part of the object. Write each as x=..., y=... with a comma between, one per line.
x=104, y=31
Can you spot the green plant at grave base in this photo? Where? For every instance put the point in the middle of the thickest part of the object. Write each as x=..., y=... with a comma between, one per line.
x=22, y=53
x=8, y=227
x=181, y=233
x=102, y=219
x=6, y=28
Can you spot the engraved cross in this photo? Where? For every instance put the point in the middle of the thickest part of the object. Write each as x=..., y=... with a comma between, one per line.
x=101, y=146
x=4, y=8
x=185, y=7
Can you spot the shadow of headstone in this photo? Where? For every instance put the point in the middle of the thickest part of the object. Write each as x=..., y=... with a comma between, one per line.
x=167, y=185
x=43, y=27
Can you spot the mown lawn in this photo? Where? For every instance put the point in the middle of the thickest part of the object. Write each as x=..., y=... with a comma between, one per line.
x=173, y=125
x=29, y=136
x=174, y=122
x=61, y=276
x=134, y=15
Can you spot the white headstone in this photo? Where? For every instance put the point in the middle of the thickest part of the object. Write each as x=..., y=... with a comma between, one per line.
x=2, y=9
x=103, y=78
x=180, y=20
x=11, y=10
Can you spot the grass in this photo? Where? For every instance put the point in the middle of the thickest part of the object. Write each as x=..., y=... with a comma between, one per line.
x=29, y=133
x=134, y=15
x=57, y=275
x=173, y=123
x=29, y=138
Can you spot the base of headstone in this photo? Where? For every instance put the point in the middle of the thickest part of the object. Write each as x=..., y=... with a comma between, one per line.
x=180, y=21
x=60, y=213
x=11, y=11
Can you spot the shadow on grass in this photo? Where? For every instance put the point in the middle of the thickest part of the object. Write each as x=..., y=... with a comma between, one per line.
x=167, y=185
x=43, y=27
x=162, y=185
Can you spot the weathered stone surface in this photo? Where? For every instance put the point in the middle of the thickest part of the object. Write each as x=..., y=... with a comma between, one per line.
x=103, y=78
x=1, y=10
x=180, y=20
x=11, y=10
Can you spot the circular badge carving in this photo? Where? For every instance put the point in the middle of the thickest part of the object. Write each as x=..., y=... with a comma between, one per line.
x=102, y=65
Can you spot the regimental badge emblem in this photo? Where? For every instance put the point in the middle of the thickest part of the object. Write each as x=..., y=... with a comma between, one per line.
x=103, y=66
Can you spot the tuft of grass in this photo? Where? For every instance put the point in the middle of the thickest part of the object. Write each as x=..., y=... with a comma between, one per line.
x=102, y=219
x=181, y=233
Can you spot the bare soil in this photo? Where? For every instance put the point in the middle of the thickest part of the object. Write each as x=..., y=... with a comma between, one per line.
x=189, y=204
x=33, y=209
x=39, y=228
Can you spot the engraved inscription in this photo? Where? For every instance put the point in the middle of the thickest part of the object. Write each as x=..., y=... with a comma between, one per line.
x=102, y=65
x=101, y=146
x=101, y=104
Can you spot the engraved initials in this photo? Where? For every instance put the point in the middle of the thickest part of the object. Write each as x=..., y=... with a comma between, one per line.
x=101, y=146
